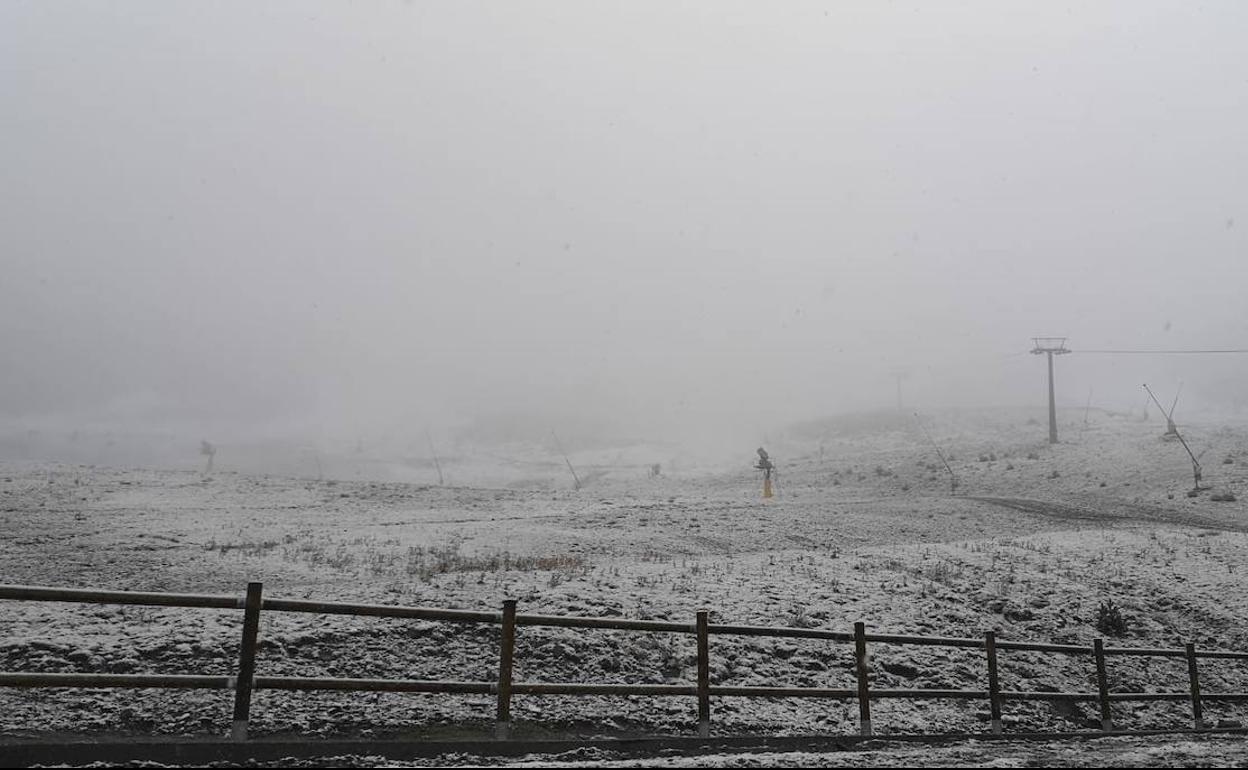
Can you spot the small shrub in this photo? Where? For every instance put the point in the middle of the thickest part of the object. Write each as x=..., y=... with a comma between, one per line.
x=664, y=656
x=1225, y=497
x=799, y=619
x=1110, y=620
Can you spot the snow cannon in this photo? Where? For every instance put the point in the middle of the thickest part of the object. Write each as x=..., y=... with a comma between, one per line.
x=765, y=465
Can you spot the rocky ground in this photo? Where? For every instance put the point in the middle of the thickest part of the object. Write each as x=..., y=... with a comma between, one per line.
x=1037, y=540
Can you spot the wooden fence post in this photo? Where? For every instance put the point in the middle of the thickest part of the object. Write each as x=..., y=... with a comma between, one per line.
x=1102, y=685
x=994, y=684
x=506, y=657
x=1198, y=717
x=704, y=675
x=864, y=695
x=246, y=662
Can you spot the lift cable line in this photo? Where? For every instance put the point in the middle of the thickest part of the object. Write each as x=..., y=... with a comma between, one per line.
x=1195, y=463
x=1161, y=352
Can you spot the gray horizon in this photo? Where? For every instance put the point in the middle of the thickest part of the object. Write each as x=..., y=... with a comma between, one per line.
x=665, y=220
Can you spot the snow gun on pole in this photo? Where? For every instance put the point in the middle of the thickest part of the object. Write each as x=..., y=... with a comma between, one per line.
x=1195, y=463
x=767, y=467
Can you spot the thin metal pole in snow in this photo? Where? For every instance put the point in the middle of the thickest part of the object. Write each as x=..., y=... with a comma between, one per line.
x=559, y=446
x=436, y=463
x=953, y=479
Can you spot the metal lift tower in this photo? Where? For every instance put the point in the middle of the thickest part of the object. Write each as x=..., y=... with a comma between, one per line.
x=1051, y=346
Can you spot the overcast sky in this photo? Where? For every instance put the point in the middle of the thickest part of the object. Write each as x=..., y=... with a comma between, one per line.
x=349, y=215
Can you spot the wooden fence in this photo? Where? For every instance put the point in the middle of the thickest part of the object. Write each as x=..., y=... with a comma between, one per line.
x=253, y=603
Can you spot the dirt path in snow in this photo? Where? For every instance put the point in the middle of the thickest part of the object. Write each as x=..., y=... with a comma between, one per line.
x=1118, y=511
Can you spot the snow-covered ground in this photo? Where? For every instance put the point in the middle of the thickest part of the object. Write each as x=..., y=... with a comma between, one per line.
x=864, y=528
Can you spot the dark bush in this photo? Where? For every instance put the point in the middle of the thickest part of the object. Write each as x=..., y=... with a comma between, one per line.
x=1110, y=620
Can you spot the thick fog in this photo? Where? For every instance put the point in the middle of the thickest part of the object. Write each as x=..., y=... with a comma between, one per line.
x=660, y=220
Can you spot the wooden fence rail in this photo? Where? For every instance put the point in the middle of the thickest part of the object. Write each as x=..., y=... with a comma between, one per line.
x=253, y=604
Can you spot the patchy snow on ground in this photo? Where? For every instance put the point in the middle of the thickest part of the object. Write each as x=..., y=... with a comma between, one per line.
x=863, y=529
